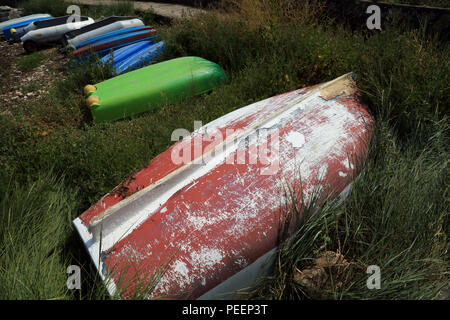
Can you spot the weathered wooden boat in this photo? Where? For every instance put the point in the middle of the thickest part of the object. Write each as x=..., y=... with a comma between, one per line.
x=202, y=219
x=152, y=86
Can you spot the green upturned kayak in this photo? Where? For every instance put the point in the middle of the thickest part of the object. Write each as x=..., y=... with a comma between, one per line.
x=150, y=87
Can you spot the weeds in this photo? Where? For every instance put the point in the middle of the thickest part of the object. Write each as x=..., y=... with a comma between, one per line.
x=394, y=218
x=35, y=223
x=31, y=61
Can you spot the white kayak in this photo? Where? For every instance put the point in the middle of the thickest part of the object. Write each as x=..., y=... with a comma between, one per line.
x=32, y=39
x=117, y=25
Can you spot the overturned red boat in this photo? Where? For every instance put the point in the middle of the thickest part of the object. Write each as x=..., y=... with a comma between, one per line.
x=201, y=220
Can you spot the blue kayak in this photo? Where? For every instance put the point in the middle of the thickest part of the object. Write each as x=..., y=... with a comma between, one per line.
x=134, y=56
x=104, y=47
x=102, y=53
x=109, y=35
x=18, y=25
x=21, y=19
x=25, y=18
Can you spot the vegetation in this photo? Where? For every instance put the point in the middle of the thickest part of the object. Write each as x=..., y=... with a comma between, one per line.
x=30, y=62
x=396, y=216
x=59, y=8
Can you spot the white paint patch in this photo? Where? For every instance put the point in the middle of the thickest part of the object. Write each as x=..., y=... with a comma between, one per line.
x=341, y=174
x=348, y=164
x=206, y=257
x=296, y=139
x=181, y=268
x=322, y=172
x=163, y=210
x=199, y=222
x=179, y=272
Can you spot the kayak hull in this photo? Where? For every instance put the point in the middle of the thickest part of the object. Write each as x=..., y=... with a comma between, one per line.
x=152, y=86
x=109, y=36
x=102, y=29
x=41, y=24
x=54, y=32
x=210, y=223
x=20, y=26
x=23, y=19
x=102, y=48
x=134, y=56
x=98, y=24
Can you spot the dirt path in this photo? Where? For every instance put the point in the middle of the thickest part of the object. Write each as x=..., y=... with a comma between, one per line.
x=163, y=9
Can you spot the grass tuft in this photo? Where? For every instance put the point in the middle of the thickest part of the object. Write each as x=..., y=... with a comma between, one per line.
x=35, y=220
x=31, y=61
x=396, y=217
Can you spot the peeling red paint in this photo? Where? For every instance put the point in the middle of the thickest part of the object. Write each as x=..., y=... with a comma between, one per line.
x=222, y=221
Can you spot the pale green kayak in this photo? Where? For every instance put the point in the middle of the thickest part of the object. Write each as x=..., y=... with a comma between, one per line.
x=150, y=87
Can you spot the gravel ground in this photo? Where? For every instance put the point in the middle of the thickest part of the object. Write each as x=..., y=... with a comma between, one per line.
x=17, y=86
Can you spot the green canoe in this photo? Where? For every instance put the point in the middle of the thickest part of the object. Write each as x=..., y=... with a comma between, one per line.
x=150, y=87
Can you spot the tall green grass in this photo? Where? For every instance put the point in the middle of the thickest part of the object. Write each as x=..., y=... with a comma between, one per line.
x=396, y=217
x=31, y=61
x=34, y=225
